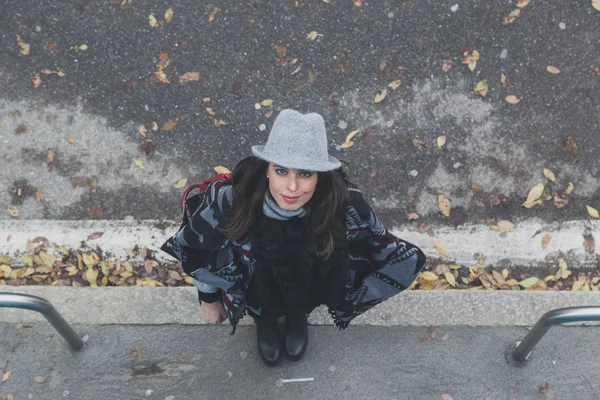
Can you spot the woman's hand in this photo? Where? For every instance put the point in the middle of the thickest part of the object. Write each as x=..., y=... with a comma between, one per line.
x=213, y=312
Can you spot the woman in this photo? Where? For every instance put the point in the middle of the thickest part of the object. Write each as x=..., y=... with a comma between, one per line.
x=285, y=233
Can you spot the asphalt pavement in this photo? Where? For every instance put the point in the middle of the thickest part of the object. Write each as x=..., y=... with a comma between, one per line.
x=363, y=362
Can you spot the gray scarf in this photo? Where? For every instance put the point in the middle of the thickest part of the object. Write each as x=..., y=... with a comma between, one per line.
x=272, y=210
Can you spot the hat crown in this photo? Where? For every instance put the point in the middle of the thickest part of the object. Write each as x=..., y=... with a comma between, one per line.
x=298, y=141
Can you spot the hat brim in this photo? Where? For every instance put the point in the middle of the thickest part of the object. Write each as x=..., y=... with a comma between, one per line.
x=331, y=164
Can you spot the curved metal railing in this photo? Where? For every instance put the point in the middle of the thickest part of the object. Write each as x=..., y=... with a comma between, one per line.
x=521, y=350
x=44, y=307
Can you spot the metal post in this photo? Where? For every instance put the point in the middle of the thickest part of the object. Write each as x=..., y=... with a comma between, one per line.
x=44, y=307
x=562, y=315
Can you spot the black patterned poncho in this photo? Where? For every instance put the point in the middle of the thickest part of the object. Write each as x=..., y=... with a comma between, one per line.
x=380, y=264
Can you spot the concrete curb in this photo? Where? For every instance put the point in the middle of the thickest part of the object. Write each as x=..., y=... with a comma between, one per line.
x=179, y=305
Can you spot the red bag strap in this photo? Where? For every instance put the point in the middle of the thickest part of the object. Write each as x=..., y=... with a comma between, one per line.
x=202, y=187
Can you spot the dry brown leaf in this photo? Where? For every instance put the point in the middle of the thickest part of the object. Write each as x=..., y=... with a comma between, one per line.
x=511, y=16
x=412, y=216
x=210, y=111
x=50, y=46
x=39, y=195
x=25, y=47
x=163, y=60
x=219, y=122
x=37, y=79
x=446, y=396
x=522, y=3
x=169, y=15
x=546, y=240
x=447, y=65
x=589, y=244
x=504, y=81
x=444, y=204
x=170, y=124
x=159, y=76
x=512, y=99
x=592, y=211
x=549, y=174
x=136, y=352
x=379, y=97
x=471, y=59
x=553, y=70
x=418, y=143
x=189, y=77
x=213, y=13
x=142, y=130
x=544, y=387
x=180, y=184
x=221, y=170
x=569, y=146
x=382, y=64
x=126, y=4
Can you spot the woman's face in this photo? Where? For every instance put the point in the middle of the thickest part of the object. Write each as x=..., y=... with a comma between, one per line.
x=291, y=188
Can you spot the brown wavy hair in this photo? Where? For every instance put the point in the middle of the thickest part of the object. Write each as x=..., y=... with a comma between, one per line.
x=325, y=209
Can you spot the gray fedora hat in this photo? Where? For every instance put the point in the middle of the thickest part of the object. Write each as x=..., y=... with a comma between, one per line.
x=298, y=141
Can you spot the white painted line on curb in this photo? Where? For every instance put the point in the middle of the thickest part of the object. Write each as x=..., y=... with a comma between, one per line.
x=519, y=247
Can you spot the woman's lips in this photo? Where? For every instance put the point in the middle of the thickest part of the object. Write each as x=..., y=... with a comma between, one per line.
x=289, y=200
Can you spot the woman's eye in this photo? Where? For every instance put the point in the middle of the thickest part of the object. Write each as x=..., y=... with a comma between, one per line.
x=307, y=174
x=280, y=171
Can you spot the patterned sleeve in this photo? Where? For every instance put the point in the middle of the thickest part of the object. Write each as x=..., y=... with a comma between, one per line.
x=381, y=264
x=201, y=244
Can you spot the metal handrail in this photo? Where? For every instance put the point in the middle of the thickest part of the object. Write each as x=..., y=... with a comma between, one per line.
x=44, y=307
x=521, y=350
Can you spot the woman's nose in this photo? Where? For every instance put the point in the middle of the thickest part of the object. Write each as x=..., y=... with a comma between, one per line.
x=292, y=186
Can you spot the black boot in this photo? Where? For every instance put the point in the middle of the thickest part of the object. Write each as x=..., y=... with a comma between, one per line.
x=267, y=337
x=296, y=335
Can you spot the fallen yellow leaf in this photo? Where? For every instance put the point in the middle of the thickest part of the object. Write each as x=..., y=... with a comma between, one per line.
x=429, y=276
x=352, y=134
x=210, y=111
x=412, y=216
x=395, y=84
x=512, y=99
x=471, y=59
x=505, y=226
x=481, y=88
x=511, y=16
x=152, y=21
x=25, y=47
x=552, y=69
x=189, y=77
x=170, y=124
x=39, y=379
x=266, y=103
x=444, y=204
x=534, y=194
x=441, y=141
x=592, y=211
x=450, y=278
x=596, y=4
x=6, y=376
x=13, y=211
x=169, y=15
x=549, y=174
x=529, y=282
x=522, y=3
x=346, y=145
x=180, y=184
x=142, y=130
x=380, y=96
x=139, y=163
x=221, y=170
x=312, y=36
x=442, y=249
x=546, y=240
x=570, y=188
